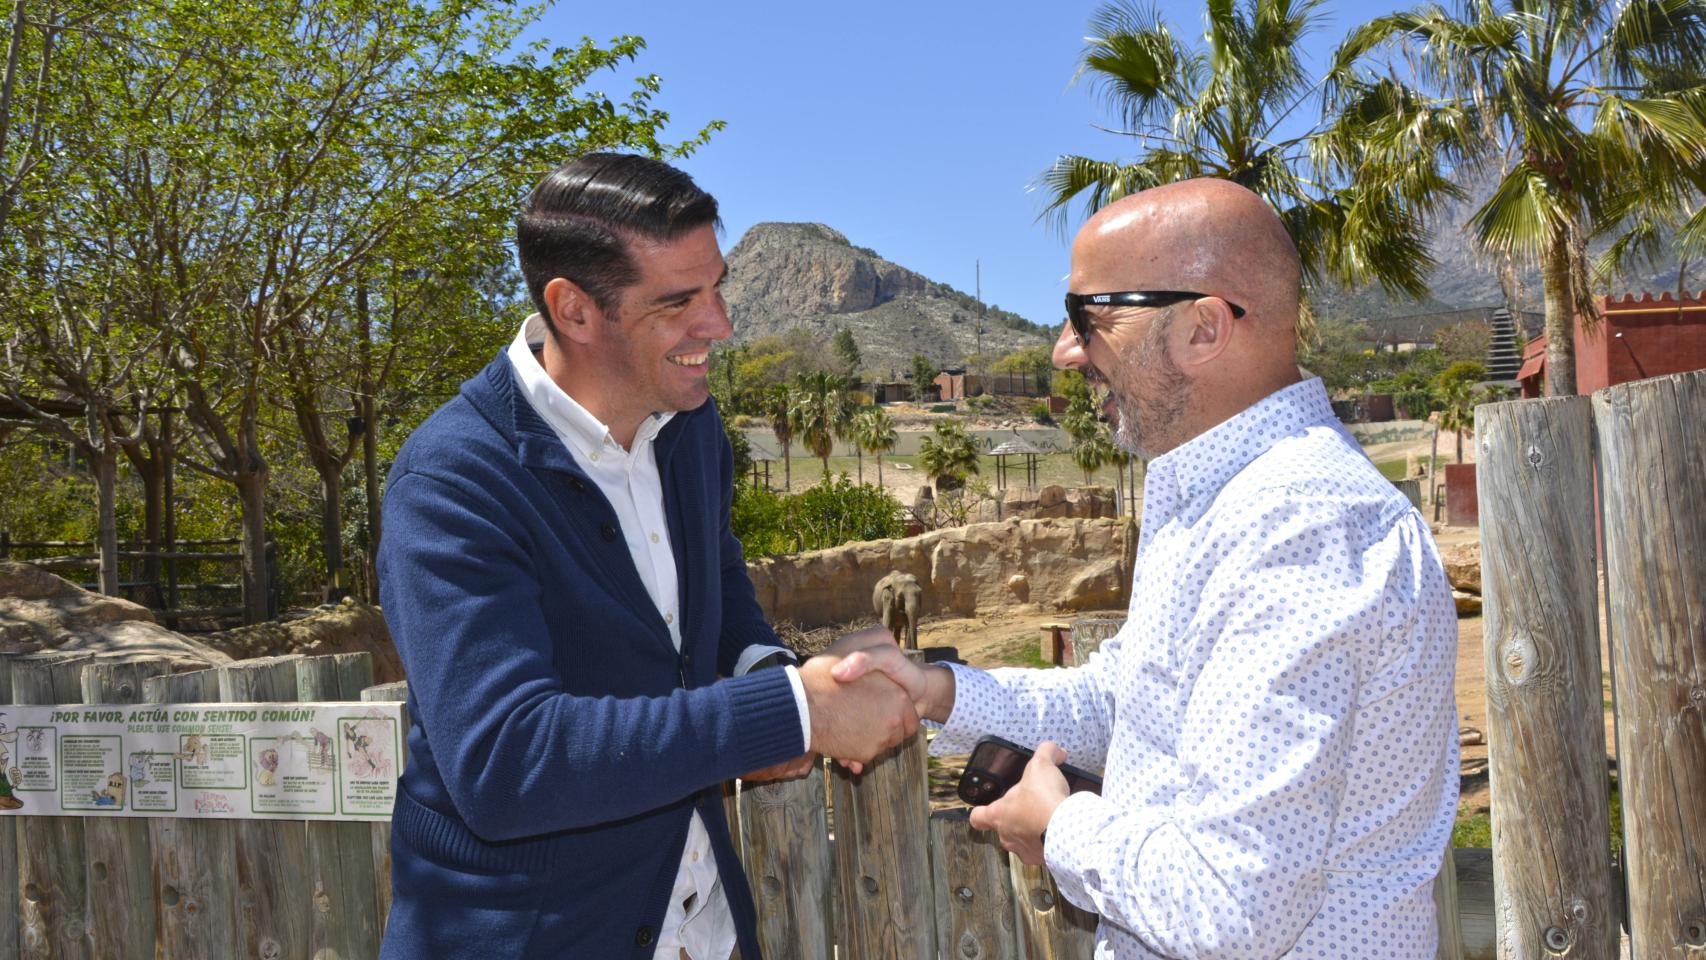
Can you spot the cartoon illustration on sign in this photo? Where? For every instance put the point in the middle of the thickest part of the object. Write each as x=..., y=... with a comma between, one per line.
x=8, y=774
x=268, y=761
x=139, y=769
x=365, y=743
x=112, y=796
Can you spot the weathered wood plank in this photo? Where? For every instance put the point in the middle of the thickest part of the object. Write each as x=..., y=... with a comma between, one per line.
x=1088, y=634
x=1653, y=454
x=119, y=868
x=11, y=896
x=1053, y=928
x=1545, y=732
x=1446, y=917
x=882, y=868
x=54, y=919
x=194, y=861
x=340, y=855
x=975, y=917
x=785, y=847
x=397, y=691
x=274, y=909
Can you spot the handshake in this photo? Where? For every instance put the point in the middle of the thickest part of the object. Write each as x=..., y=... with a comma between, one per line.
x=864, y=696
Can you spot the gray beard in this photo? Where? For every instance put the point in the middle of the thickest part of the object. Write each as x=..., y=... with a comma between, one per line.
x=1147, y=424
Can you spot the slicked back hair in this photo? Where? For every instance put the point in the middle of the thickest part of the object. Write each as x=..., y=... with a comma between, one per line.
x=577, y=223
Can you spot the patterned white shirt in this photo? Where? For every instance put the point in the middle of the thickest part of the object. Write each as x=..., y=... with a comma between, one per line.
x=1276, y=718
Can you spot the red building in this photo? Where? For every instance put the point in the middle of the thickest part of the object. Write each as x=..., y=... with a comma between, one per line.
x=1635, y=339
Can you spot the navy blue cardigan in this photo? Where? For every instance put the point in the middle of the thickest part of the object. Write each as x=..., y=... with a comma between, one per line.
x=558, y=743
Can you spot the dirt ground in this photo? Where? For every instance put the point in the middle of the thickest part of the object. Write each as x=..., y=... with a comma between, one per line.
x=1012, y=638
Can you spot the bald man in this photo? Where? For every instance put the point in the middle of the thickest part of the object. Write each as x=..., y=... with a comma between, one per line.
x=1275, y=719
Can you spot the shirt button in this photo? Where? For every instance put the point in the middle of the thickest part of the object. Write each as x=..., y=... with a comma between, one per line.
x=695, y=856
x=669, y=618
x=593, y=456
x=643, y=937
x=654, y=538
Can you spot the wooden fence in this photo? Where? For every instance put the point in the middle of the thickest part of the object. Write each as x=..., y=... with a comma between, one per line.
x=187, y=579
x=1562, y=483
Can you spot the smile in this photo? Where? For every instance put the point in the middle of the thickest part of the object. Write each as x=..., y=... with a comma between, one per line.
x=690, y=359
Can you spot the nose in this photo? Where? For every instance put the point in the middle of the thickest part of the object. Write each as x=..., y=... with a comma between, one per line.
x=1068, y=353
x=713, y=323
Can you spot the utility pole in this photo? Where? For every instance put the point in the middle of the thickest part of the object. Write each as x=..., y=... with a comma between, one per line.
x=979, y=267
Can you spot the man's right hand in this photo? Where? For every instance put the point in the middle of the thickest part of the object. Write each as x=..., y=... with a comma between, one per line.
x=930, y=687
x=858, y=718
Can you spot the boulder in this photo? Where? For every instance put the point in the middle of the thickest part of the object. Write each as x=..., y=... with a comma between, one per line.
x=42, y=613
x=1463, y=566
x=1468, y=604
x=350, y=626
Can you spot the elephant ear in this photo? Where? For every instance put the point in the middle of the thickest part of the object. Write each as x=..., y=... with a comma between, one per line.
x=888, y=607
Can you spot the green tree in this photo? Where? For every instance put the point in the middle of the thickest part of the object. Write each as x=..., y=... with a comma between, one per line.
x=1457, y=394
x=779, y=410
x=1594, y=118
x=949, y=456
x=873, y=430
x=821, y=413
x=1034, y=362
x=1354, y=188
x=923, y=376
x=847, y=351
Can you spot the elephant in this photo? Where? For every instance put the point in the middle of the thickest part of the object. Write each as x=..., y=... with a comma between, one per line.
x=897, y=598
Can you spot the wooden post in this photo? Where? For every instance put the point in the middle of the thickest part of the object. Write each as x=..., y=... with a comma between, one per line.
x=882, y=868
x=274, y=908
x=195, y=861
x=1446, y=917
x=974, y=890
x=1088, y=634
x=785, y=846
x=340, y=855
x=53, y=920
x=11, y=904
x=397, y=691
x=1654, y=483
x=1545, y=728
x=120, y=874
x=1054, y=929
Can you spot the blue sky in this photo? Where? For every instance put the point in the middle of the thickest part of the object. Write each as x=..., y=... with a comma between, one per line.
x=915, y=128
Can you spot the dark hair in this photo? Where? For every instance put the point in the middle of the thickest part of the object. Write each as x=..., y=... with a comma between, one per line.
x=577, y=221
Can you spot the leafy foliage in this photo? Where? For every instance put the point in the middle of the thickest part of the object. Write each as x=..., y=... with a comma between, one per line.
x=949, y=455
x=832, y=512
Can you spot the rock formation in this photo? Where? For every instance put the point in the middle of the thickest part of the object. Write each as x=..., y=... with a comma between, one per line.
x=42, y=613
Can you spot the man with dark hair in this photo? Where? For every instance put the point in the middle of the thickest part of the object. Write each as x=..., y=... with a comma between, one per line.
x=586, y=657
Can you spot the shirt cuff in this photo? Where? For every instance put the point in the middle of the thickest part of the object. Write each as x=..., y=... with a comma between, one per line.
x=800, y=704
x=965, y=727
x=757, y=652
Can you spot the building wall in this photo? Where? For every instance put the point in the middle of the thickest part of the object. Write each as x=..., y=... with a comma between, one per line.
x=1637, y=338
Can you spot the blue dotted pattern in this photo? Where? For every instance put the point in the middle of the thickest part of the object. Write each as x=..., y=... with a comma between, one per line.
x=1276, y=719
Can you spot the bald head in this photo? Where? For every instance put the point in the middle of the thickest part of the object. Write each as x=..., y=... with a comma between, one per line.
x=1178, y=370
x=1211, y=236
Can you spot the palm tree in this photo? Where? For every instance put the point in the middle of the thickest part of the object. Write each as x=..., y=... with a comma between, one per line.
x=1354, y=189
x=873, y=430
x=821, y=412
x=1595, y=115
x=1455, y=390
x=949, y=456
x=778, y=409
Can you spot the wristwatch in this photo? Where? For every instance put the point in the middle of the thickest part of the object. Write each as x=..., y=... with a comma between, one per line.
x=780, y=658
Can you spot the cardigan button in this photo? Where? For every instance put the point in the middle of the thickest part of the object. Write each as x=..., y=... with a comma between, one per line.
x=608, y=532
x=644, y=936
x=578, y=484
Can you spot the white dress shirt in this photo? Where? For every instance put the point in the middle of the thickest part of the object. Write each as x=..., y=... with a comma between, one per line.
x=1276, y=718
x=698, y=919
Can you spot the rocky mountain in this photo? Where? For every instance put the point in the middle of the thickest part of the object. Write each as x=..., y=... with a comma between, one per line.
x=806, y=275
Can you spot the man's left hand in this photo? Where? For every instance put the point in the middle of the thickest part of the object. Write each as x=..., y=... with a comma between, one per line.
x=786, y=770
x=1022, y=814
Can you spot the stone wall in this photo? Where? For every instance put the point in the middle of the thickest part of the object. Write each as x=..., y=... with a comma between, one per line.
x=1047, y=565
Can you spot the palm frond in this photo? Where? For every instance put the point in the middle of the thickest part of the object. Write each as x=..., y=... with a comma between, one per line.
x=1648, y=36
x=1524, y=216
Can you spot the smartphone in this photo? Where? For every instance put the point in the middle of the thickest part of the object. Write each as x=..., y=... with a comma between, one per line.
x=997, y=764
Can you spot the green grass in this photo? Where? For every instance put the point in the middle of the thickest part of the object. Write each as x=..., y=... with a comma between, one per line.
x=1476, y=829
x=1394, y=469
x=1022, y=653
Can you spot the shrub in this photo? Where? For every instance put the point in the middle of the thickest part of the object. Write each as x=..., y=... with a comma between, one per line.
x=833, y=512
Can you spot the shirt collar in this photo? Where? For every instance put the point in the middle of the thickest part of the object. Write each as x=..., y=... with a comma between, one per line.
x=573, y=423
x=1204, y=464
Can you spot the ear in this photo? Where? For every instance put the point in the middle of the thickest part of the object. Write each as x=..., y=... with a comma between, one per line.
x=1203, y=332
x=574, y=314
